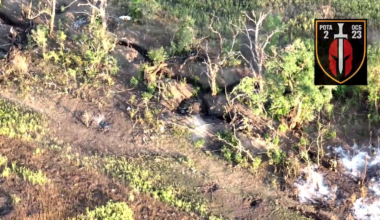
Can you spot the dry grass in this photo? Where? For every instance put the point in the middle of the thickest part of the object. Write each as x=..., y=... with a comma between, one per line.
x=20, y=63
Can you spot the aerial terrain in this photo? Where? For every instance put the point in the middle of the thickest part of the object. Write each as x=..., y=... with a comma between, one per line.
x=183, y=109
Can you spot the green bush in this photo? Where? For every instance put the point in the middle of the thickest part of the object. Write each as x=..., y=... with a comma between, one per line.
x=231, y=153
x=276, y=156
x=247, y=95
x=199, y=143
x=19, y=122
x=143, y=9
x=374, y=81
x=40, y=37
x=295, y=71
x=111, y=211
x=158, y=55
x=134, y=82
x=184, y=37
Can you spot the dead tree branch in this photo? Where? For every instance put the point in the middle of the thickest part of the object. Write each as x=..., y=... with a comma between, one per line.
x=214, y=65
x=256, y=46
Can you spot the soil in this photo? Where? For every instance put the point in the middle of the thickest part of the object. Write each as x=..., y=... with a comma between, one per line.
x=71, y=191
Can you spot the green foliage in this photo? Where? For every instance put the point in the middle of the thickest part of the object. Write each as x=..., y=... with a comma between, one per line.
x=142, y=10
x=96, y=50
x=374, y=81
x=3, y=160
x=199, y=143
x=304, y=141
x=156, y=179
x=228, y=137
x=196, y=90
x=233, y=62
x=26, y=174
x=256, y=163
x=179, y=131
x=271, y=23
x=6, y=172
x=295, y=70
x=231, y=153
x=276, y=141
x=111, y=211
x=134, y=82
x=40, y=37
x=158, y=55
x=31, y=176
x=283, y=128
x=19, y=122
x=248, y=95
x=228, y=11
x=146, y=96
x=330, y=134
x=276, y=156
x=341, y=92
x=184, y=38
x=88, y=63
x=227, y=153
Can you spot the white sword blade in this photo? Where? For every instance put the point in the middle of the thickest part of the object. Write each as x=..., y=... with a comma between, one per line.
x=340, y=55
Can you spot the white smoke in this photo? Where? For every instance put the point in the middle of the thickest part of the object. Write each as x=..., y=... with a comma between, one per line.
x=354, y=162
x=313, y=189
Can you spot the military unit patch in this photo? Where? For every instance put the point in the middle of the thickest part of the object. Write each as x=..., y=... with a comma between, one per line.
x=340, y=52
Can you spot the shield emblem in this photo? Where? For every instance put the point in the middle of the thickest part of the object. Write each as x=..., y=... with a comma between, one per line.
x=340, y=52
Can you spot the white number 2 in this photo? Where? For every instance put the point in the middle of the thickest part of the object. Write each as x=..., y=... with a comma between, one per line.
x=356, y=35
x=326, y=34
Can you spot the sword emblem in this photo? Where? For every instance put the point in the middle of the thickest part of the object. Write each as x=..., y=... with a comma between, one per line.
x=340, y=38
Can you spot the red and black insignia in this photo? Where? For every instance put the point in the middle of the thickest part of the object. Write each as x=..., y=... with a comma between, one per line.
x=340, y=52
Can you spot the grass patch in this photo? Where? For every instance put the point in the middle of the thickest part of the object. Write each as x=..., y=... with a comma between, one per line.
x=297, y=15
x=111, y=211
x=331, y=134
x=36, y=178
x=171, y=180
x=199, y=143
x=19, y=122
x=181, y=131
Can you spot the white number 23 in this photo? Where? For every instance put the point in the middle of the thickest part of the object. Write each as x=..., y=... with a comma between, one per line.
x=356, y=34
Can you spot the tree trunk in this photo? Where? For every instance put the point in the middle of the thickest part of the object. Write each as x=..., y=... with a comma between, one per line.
x=93, y=12
x=52, y=17
x=214, y=87
x=297, y=117
x=103, y=14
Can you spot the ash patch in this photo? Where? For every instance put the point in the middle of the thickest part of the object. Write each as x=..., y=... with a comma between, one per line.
x=312, y=187
x=363, y=163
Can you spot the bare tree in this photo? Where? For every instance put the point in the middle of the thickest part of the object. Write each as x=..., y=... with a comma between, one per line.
x=50, y=12
x=257, y=43
x=95, y=10
x=214, y=65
